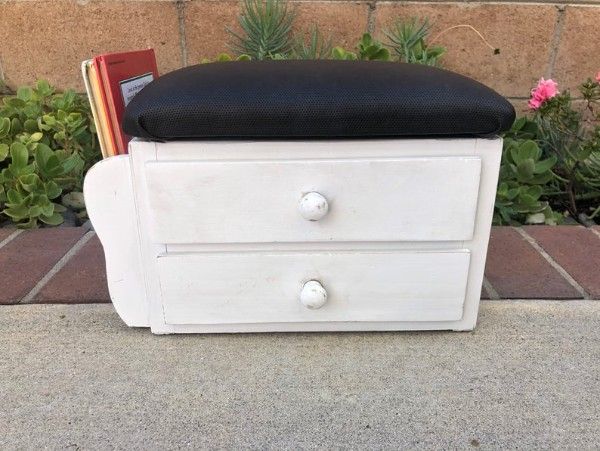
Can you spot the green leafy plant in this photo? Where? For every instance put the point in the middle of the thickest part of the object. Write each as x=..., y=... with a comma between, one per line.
x=572, y=136
x=266, y=29
x=226, y=57
x=317, y=47
x=267, y=32
x=31, y=188
x=339, y=53
x=368, y=49
x=47, y=142
x=524, y=176
x=551, y=160
x=408, y=41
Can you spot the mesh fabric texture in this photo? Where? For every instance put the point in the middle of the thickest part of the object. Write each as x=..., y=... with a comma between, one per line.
x=315, y=99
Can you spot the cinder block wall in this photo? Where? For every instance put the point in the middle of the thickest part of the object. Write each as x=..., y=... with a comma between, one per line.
x=49, y=38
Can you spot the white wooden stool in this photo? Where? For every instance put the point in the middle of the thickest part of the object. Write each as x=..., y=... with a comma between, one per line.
x=256, y=234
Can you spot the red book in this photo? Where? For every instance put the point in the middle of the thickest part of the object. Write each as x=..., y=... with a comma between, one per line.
x=124, y=75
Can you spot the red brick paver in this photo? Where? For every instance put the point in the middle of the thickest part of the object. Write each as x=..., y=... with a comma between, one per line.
x=517, y=271
x=5, y=233
x=29, y=257
x=576, y=249
x=484, y=293
x=515, y=268
x=81, y=280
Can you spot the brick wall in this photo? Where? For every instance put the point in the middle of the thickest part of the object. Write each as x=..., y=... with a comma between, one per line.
x=49, y=38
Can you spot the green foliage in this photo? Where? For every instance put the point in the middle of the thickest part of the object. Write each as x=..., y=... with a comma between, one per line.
x=339, y=53
x=524, y=176
x=318, y=47
x=47, y=142
x=523, y=128
x=551, y=162
x=266, y=29
x=573, y=137
x=225, y=57
x=267, y=32
x=408, y=41
x=368, y=49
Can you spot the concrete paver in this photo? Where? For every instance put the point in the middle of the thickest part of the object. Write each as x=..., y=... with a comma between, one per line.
x=74, y=376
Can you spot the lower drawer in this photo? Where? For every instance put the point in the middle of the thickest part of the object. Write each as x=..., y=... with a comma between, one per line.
x=267, y=287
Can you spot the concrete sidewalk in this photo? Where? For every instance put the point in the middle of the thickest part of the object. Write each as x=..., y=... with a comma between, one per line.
x=76, y=377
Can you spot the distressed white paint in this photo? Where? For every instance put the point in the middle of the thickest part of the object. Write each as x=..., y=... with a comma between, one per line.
x=210, y=236
x=374, y=199
x=313, y=206
x=313, y=295
x=263, y=287
x=108, y=191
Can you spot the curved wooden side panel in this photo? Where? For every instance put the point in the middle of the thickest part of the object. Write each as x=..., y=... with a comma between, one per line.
x=109, y=199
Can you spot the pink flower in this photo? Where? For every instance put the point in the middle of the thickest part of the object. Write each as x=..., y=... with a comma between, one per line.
x=598, y=77
x=534, y=103
x=545, y=89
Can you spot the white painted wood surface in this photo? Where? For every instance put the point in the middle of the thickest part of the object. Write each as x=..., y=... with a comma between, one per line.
x=221, y=150
x=108, y=191
x=404, y=199
x=121, y=195
x=313, y=206
x=313, y=295
x=266, y=287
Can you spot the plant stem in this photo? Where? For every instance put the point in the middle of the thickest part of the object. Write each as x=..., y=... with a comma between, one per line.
x=596, y=211
x=572, y=202
x=587, y=196
x=443, y=32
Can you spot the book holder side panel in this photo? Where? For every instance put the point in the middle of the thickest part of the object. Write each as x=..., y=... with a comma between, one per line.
x=109, y=199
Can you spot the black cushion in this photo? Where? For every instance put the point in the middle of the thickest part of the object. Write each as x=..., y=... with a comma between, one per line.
x=315, y=99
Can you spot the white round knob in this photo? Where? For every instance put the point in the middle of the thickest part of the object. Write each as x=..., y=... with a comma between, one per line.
x=313, y=206
x=313, y=295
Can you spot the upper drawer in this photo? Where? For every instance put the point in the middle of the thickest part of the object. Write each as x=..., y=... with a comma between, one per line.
x=390, y=199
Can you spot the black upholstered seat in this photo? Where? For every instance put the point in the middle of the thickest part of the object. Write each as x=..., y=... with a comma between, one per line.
x=315, y=99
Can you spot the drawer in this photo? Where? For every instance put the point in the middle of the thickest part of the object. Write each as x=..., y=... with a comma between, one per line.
x=263, y=287
x=387, y=199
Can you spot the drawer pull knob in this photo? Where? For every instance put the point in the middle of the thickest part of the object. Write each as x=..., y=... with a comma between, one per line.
x=313, y=206
x=313, y=295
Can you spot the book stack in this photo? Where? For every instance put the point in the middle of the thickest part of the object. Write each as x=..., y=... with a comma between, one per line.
x=111, y=81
